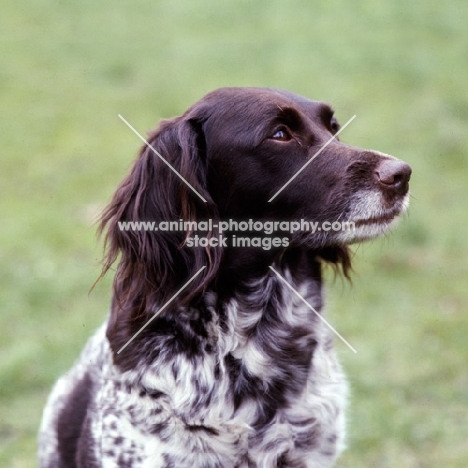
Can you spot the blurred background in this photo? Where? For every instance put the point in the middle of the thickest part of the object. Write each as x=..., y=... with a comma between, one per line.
x=68, y=69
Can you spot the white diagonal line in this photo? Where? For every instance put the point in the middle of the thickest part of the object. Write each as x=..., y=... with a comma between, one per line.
x=312, y=309
x=161, y=309
x=312, y=158
x=161, y=158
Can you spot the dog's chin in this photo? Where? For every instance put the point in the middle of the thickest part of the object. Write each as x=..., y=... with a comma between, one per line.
x=367, y=224
x=353, y=232
x=368, y=229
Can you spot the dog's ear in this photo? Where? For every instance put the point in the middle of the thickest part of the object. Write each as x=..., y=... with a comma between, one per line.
x=154, y=264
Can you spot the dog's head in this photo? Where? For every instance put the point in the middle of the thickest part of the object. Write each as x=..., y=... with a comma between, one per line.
x=241, y=154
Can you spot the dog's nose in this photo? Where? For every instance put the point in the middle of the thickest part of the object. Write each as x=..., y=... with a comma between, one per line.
x=393, y=174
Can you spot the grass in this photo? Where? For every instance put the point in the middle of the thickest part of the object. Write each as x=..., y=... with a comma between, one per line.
x=70, y=67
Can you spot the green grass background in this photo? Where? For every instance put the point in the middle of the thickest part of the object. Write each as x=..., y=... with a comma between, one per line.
x=68, y=69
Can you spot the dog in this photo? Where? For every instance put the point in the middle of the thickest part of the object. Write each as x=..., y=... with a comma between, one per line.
x=215, y=355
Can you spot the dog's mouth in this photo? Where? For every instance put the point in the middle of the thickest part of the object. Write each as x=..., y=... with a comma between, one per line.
x=381, y=219
x=382, y=216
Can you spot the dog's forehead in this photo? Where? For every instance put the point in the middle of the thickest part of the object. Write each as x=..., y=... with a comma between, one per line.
x=258, y=102
x=271, y=95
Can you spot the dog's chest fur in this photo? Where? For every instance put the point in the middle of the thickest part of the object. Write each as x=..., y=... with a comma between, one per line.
x=253, y=382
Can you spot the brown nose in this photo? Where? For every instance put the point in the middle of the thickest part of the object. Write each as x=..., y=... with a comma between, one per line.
x=394, y=175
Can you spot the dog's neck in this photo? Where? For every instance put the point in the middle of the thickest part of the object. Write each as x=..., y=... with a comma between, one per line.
x=270, y=331
x=264, y=304
x=242, y=268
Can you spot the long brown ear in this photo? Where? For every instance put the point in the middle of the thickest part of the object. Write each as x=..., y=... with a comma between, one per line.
x=155, y=264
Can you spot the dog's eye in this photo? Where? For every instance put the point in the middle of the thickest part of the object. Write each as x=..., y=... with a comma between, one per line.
x=281, y=135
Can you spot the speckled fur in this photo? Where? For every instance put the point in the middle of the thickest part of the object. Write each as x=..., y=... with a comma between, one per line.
x=155, y=416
